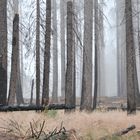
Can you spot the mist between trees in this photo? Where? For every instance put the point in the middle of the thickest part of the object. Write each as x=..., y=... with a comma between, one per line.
x=69, y=51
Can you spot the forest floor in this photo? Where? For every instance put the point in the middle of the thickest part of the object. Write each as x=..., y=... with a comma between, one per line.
x=86, y=126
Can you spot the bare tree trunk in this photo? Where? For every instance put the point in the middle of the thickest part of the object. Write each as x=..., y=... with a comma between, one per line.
x=32, y=88
x=137, y=93
x=100, y=49
x=69, y=91
x=86, y=96
x=102, y=87
x=3, y=51
x=38, y=53
x=62, y=38
x=55, y=55
x=19, y=92
x=15, y=94
x=136, y=26
x=121, y=50
x=131, y=61
x=96, y=75
x=45, y=94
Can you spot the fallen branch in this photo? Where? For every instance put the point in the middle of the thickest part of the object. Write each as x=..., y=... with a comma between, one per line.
x=125, y=131
x=120, y=133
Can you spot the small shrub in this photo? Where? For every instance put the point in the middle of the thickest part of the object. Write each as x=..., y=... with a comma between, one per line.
x=50, y=113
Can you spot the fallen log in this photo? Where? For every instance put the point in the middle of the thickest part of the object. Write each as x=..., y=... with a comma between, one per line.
x=120, y=133
x=36, y=108
x=119, y=108
x=125, y=131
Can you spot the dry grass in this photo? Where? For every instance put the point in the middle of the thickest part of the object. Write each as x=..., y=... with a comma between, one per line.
x=90, y=126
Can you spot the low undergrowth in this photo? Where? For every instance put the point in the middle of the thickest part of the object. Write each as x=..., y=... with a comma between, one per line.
x=76, y=126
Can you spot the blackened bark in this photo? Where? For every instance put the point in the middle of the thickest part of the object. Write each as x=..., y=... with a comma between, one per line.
x=131, y=60
x=96, y=28
x=15, y=89
x=45, y=94
x=32, y=88
x=3, y=51
x=69, y=91
x=38, y=53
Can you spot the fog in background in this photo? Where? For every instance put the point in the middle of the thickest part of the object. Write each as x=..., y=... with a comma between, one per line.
x=28, y=72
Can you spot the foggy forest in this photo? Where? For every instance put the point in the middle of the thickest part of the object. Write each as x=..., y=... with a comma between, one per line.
x=69, y=69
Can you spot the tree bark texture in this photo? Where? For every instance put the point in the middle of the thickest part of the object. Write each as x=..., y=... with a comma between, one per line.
x=62, y=39
x=45, y=94
x=86, y=96
x=15, y=89
x=32, y=88
x=130, y=59
x=121, y=51
x=55, y=54
x=97, y=66
x=70, y=88
x=38, y=53
x=3, y=51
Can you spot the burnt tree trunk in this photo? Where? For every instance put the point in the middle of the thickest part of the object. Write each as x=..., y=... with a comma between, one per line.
x=131, y=60
x=38, y=53
x=15, y=90
x=69, y=91
x=96, y=54
x=45, y=94
x=3, y=51
x=32, y=88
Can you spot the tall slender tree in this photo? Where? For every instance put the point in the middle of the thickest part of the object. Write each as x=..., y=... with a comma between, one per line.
x=15, y=95
x=131, y=60
x=62, y=38
x=55, y=54
x=96, y=28
x=136, y=26
x=15, y=89
x=86, y=96
x=38, y=53
x=70, y=87
x=101, y=50
x=3, y=51
x=45, y=94
x=121, y=51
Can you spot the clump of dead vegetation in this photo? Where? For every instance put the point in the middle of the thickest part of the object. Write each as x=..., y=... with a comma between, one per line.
x=36, y=132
